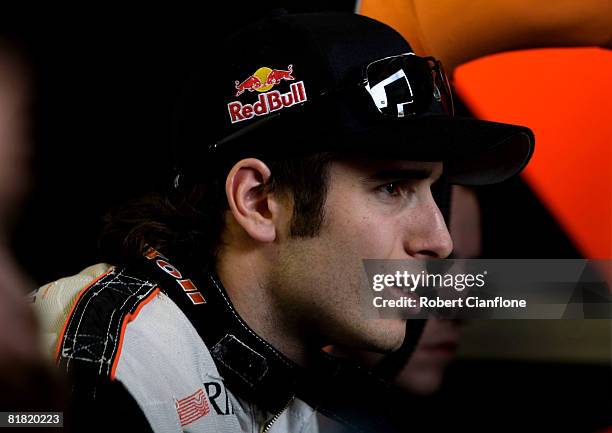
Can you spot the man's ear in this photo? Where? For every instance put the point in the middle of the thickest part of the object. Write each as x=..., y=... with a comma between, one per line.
x=252, y=206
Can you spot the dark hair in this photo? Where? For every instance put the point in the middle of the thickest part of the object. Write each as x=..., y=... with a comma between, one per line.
x=186, y=223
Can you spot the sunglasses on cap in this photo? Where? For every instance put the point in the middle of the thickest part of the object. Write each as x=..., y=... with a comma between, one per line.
x=406, y=85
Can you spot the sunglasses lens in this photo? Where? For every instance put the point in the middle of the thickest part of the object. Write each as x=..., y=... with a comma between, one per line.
x=406, y=85
x=397, y=87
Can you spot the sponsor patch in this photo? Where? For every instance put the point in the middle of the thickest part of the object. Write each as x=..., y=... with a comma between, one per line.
x=268, y=100
x=186, y=285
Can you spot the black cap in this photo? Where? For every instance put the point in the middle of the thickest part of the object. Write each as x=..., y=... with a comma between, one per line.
x=277, y=87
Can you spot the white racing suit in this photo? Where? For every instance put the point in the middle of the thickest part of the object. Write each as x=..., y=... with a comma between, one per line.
x=150, y=347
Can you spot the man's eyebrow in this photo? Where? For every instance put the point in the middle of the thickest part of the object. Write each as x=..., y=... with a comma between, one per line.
x=405, y=173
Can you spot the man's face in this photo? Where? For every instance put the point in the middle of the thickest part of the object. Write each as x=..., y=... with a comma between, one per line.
x=374, y=210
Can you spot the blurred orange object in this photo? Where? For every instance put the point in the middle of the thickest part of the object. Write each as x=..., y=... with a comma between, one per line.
x=565, y=96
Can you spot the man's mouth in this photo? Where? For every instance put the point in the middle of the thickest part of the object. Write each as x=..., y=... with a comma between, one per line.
x=398, y=293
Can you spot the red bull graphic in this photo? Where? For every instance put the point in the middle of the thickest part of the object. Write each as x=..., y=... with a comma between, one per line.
x=267, y=103
x=262, y=81
x=278, y=75
x=250, y=84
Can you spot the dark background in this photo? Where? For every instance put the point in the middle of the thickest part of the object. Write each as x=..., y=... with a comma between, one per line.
x=106, y=85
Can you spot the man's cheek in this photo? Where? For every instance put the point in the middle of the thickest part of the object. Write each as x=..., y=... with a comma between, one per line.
x=375, y=239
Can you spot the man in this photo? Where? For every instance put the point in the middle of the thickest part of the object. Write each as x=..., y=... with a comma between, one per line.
x=313, y=145
x=423, y=372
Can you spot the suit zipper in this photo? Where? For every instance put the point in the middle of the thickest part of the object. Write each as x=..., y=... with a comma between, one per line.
x=268, y=424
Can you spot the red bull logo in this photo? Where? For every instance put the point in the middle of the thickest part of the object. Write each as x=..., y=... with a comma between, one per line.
x=262, y=81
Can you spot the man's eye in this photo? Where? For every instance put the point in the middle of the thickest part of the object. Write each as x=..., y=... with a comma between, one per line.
x=394, y=189
x=391, y=188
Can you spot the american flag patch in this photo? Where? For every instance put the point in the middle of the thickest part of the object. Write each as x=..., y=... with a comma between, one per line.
x=192, y=408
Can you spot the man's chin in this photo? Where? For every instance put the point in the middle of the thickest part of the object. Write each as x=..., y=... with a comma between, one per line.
x=388, y=335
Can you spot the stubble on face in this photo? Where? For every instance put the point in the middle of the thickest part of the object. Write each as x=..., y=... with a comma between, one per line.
x=318, y=281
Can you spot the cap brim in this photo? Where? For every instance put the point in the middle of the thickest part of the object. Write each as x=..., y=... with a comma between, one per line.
x=475, y=152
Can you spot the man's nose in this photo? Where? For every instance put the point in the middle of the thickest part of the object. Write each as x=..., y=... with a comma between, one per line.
x=431, y=238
